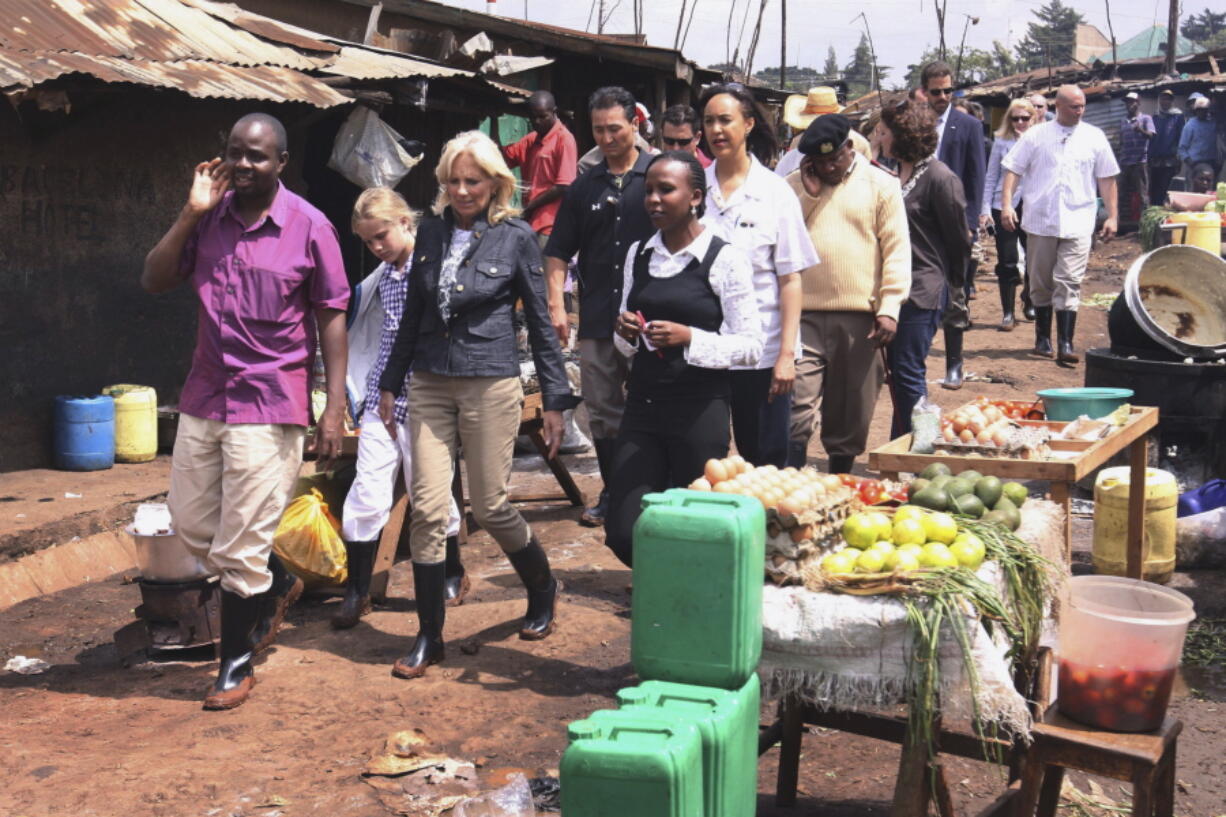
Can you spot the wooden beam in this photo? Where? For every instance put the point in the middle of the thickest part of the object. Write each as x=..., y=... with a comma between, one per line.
x=372, y=24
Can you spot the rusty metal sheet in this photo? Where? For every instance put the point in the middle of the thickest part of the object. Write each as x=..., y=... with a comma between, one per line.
x=196, y=78
x=366, y=63
x=267, y=27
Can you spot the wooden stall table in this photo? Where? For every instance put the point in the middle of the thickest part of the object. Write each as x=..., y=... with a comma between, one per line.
x=1081, y=460
x=396, y=534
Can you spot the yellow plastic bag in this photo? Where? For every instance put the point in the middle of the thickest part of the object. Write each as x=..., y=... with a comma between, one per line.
x=308, y=541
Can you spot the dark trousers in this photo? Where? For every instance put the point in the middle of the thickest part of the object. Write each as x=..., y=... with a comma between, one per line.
x=908, y=354
x=1007, y=269
x=1133, y=179
x=662, y=444
x=1161, y=171
x=761, y=427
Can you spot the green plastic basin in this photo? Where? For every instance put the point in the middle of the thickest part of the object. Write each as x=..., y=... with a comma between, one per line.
x=1063, y=405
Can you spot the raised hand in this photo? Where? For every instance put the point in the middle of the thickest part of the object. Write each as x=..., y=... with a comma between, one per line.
x=209, y=182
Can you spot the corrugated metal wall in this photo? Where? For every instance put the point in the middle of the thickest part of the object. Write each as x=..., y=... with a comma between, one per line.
x=1107, y=114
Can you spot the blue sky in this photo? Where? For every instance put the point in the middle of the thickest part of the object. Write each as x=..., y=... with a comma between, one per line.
x=901, y=29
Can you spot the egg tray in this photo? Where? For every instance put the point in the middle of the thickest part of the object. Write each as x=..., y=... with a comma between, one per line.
x=1023, y=443
x=789, y=554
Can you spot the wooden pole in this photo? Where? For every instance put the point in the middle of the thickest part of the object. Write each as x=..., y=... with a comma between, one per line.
x=680, y=22
x=1172, y=31
x=783, y=44
x=1111, y=31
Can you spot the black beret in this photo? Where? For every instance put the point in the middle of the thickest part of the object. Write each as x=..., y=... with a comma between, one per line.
x=825, y=135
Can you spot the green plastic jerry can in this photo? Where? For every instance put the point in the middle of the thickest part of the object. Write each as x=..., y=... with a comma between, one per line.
x=727, y=724
x=624, y=762
x=696, y=612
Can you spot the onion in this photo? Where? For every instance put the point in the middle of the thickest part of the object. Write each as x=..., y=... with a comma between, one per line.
x=700, y=484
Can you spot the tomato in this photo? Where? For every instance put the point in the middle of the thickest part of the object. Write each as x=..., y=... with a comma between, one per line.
x=1118, y=698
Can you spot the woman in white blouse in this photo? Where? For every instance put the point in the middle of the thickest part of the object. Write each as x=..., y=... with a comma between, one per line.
x=688, y=314
x=754, y=210
x=1018, y=118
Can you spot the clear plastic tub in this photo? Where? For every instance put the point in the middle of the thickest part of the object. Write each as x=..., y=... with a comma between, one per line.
x=1120, y=642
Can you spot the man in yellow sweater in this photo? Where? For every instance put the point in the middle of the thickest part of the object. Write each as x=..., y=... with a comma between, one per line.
x=856, y=218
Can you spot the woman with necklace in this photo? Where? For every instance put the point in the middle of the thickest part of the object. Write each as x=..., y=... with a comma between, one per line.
x=472, y=262
x=940, y=243
x=688, y=314
x=755, y=211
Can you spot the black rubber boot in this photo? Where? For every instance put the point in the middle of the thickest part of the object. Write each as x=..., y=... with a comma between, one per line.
x=953, y=359
x=356, y=603
x=285, y=590
x=235, y=676
x=1008, y=293
x=1042, y=331
x=1027, y=304
x=456, y=583
x=1066, y=327
x=841, y=463
x=798, y=455
x=593, y=517
x=428, y=583
x=532, y=565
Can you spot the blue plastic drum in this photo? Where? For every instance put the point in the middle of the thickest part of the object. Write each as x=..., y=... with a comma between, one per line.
x=83, y=433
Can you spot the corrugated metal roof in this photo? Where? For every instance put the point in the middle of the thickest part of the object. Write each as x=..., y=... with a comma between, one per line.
x=203, y=48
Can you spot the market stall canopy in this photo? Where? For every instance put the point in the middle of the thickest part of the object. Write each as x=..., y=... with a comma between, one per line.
x=202, y=48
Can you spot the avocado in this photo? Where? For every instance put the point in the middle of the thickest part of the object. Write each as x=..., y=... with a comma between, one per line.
x=968, y=505
x=959, y=487
x=918, y=484
x=932, y=497
x=971, y=474
x=997, y=518
x=940, y=480
x=1016, y=492
x=989, y=491
x=1010, y=511
x=934, y=470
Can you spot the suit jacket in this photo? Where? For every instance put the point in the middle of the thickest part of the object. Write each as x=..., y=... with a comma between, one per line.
x=962, y=152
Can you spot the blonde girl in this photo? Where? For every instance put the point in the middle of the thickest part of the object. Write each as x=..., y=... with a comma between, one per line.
x=1018, y=119
x=383, y=220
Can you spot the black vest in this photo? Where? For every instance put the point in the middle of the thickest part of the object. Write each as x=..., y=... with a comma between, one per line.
x=685, y=298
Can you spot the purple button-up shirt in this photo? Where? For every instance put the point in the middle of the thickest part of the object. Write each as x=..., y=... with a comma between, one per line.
x=258, y=286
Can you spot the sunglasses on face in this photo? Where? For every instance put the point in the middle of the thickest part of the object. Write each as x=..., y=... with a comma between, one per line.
x=941, y=92
x=1020, y=118
x=676, y=143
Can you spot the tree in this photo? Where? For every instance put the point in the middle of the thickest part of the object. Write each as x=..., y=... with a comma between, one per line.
x=977, y=65
x=831, y=69
x=1205, y=29
x=859, y=72
x=1053, y=37
x=799, y=79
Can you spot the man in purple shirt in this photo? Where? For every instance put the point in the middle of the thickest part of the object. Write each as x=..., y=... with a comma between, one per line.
x=263, y=262
x=1136, y=130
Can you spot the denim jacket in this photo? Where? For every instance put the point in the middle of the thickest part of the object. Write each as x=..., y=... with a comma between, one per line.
x=503, y=265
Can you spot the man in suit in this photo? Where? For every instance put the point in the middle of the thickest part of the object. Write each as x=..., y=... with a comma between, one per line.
x=960, y=148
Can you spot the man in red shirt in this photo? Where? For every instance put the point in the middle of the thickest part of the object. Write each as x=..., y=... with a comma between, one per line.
x=548, y=156
x=267, y=270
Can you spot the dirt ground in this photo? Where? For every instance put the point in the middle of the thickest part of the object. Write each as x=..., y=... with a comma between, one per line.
x=92, y=737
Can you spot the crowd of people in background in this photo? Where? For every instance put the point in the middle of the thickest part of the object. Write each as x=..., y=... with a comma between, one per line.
x=719, y=289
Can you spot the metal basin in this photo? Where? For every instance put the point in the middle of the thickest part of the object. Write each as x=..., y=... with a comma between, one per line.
x=1178, y=296
x=164, y=558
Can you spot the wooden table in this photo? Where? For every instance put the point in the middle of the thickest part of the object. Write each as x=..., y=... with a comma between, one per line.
x=395, y=532
x=895, y=457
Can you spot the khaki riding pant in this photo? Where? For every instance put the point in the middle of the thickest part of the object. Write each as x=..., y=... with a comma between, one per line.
x=1055, y=267
x=482, y=414
x=837, y=377
x=229, y=484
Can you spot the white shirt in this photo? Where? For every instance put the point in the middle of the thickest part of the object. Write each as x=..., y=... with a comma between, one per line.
x=763, y=219
x=788, y=162
x=739, y=339
x=1060, y=166
x=941, y=121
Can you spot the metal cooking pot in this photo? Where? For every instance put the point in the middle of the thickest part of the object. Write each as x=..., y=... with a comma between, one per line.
x=1178, y=296
x=164, y=558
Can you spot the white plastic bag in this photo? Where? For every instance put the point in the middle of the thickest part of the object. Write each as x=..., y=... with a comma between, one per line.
x=1200, y=540
x=368, y=153
x=512, y=800
x=925, y=426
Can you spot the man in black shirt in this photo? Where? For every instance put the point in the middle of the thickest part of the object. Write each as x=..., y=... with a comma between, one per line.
x=601, y=216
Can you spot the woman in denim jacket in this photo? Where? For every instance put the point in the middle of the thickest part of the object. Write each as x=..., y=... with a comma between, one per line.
x=472, y=262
